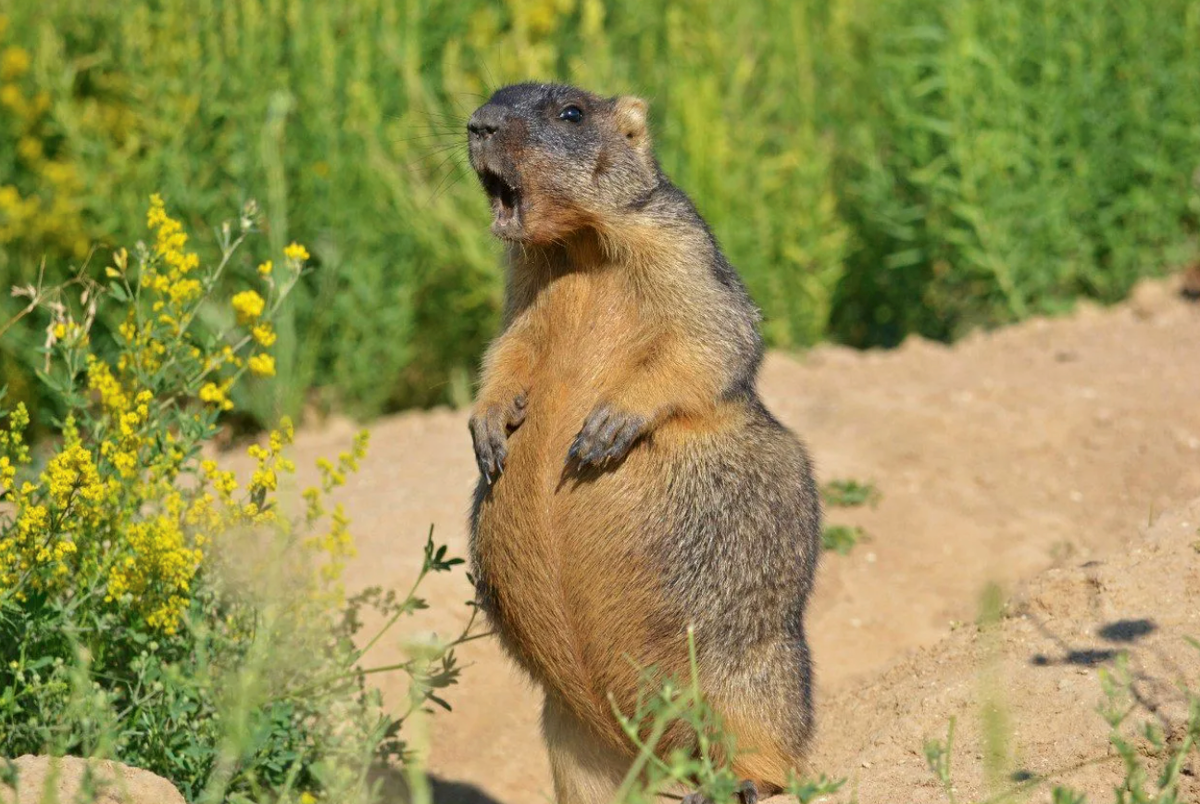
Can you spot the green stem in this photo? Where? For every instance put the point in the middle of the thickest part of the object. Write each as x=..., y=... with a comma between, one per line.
x=697, y=698
x=646, y=754
x=403, y=607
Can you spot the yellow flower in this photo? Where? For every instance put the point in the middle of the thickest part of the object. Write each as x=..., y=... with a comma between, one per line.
x=312, y=504
x=183, y=291
x=337, y=544
x=14, y=61
x=229, y=356
x=12, y=440
x=170, y=240
x=33, y=521
x=266, y=268
x=264, y=479
x=283, y=436
x=158, y=569
x=204, y=516
x=264, y=334
x=156, y=215
x=262, y=364
x=112, y=507
x=7, y=473
x=125, y=462
x=296, y=252
x=331, y=478
x=224, y=482
x=10, y=199
x=29, y=149
x=248, y=305
x=216, y=395
x=10, y=95
x=100, y=379
x=72, y=471
x=19, y=417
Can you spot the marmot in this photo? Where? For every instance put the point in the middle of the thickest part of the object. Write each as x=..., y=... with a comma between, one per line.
x=632, y=482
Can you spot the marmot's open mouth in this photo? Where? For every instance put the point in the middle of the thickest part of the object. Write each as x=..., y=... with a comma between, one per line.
x=506, y=202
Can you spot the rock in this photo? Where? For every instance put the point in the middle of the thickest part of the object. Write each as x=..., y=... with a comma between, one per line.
x=58, y=781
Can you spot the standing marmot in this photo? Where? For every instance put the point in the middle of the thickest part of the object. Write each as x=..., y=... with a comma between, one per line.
x=632, y=482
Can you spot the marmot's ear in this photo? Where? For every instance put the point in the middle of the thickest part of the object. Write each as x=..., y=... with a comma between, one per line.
x=631, y=120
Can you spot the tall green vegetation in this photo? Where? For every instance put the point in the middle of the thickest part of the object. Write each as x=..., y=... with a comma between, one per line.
x=874, y=169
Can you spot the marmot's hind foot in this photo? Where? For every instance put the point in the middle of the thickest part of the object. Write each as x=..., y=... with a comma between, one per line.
x=746, y=794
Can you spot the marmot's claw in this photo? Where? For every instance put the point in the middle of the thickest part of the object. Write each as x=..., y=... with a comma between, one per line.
x=489, y=433
x=490, y=450
x=606, y=436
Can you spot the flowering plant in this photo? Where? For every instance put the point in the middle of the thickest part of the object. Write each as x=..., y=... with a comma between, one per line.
x=124, y=627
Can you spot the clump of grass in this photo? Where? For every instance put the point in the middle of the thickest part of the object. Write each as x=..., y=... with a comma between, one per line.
x=846, y=493
x=850, y=493
x=939, y=757
x=841, y=539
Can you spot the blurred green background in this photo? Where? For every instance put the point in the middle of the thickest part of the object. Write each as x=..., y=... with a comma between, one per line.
x=873, y=168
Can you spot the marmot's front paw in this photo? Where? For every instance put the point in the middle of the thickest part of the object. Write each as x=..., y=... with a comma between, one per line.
x=490, y=425
x=606, y=436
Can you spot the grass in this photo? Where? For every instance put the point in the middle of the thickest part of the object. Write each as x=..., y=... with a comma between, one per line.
x=873, y=169
x=850, y=493
x=841, y=539
x=846, y=493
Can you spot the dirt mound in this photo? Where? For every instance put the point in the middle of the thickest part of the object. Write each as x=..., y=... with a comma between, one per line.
x=1043, y=445
x=62, y=781
x=1034, y=673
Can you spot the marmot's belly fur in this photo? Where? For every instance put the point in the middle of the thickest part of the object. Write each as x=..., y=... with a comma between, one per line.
x=708, y=523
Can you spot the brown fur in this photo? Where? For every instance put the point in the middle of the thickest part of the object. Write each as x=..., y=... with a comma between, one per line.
x=622, y=316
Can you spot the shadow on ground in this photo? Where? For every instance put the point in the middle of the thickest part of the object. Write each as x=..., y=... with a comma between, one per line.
x=1124, y=632
x=394, y=789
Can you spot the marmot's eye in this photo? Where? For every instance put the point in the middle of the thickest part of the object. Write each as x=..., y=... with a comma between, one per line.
x=572, y=114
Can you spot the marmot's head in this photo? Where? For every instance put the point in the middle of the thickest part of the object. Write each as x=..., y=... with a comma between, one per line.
x=554, y=159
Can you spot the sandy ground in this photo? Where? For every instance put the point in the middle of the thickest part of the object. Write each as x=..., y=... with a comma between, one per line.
x=1057, y=458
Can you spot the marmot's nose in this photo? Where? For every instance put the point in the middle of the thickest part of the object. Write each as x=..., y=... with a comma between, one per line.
x=487, y=120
